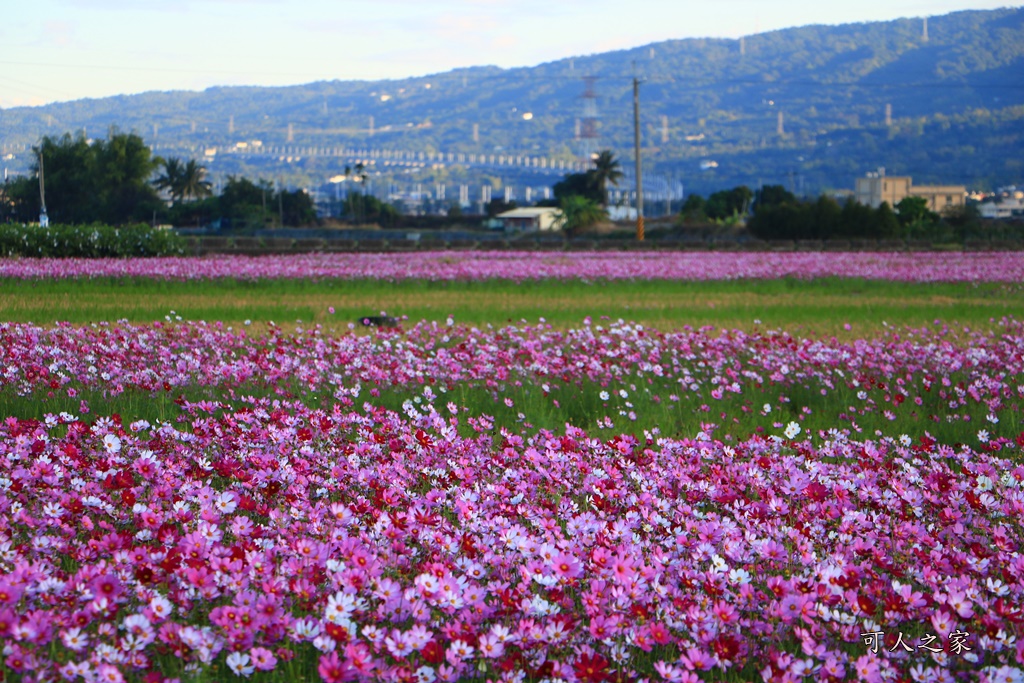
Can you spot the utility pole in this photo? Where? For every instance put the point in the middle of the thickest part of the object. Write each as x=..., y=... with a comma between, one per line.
x=639, y=179
x=44, y=220
x=280, y=203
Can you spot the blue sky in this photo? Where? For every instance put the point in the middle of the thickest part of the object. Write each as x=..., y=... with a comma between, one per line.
x=56, y=50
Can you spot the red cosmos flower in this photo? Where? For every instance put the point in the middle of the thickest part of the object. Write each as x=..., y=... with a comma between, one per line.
x=816, y=491
x=726, y=646
x=144, y=574
x=433, y=652
x=512, y=660
x=591, y=669
x=339, y=633
x=545, y=670
x=1008, y=610
x=866, y=605
x=659, y=634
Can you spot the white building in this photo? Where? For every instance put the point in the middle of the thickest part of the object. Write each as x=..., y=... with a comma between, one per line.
x=1008, y=207
x=531, y=218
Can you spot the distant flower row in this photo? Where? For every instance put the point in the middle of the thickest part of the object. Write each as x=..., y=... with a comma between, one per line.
x=902, y=267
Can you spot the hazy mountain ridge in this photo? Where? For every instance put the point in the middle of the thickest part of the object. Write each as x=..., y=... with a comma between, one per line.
x=831, y=83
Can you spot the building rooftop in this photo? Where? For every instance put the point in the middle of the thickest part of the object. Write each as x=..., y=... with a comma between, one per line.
x=528, y=212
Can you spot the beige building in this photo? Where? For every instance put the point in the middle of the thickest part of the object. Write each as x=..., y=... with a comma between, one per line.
x=875, y=188
x=530, y=218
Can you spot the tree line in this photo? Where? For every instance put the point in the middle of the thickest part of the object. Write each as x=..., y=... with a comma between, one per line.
x=118, y=181
x=774, y=213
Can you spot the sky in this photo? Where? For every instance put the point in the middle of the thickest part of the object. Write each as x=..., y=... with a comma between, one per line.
x=59, y=50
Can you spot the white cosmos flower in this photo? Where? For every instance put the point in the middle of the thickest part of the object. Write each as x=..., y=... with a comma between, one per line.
x=226, y=503
x=239, y=664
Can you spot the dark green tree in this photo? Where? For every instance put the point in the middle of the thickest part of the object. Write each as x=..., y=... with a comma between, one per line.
x=887, y=224
x=170, y=180
x=123, y=167
x=728, y=204
x=183, y=181
x=787, y=221
x=607, y=171
x=245, y=204
x=106, y=181
x=580, y=185
x=20, y=200
x=694, y=210
x=194, y=184
x=297, y=207
x=857, y=221
x=965, y=220
x=914, y=209
x=773, y=195
x=579, y=213
x=916, y=219
x=825, y=215
x=369, y=209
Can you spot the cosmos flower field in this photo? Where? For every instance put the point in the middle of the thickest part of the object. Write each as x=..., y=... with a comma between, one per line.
x=520, y=266
x=187, y=500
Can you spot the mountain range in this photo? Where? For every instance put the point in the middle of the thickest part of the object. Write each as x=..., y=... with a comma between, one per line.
x=940, y=99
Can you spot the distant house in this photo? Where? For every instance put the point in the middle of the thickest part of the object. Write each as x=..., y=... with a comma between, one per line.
x=532, y=218
x=876, y=187
x=1008, y=207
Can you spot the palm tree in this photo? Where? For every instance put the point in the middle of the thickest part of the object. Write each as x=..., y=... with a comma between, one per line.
x=171, y=178
x=578, y=213
x=194, y=184
x=184, y=180
x=606, y=171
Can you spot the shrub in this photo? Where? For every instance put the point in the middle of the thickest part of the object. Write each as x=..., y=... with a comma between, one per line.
x=88, y=241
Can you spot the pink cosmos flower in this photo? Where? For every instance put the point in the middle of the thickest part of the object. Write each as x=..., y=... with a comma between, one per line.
x=490, y=646
x=105, y=586
x=108, y=673
x=331, y=669
x=263, y=659
x=566, y=566
x=791, y=607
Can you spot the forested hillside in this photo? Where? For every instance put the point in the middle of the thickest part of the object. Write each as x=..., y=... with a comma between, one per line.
x=955, y=96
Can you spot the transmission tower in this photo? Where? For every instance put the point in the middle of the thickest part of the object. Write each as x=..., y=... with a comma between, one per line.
x=586, y=137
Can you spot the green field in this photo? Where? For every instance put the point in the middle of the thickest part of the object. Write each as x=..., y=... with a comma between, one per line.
x=846, y=309
x=818, y=307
